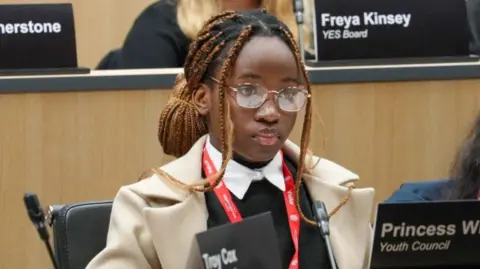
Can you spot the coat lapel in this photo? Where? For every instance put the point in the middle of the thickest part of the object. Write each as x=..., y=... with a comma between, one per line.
x=173, y=231
x=173, y=227
x=350, y=232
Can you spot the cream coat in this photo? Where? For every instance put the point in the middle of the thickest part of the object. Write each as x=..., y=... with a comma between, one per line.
x=153, y=224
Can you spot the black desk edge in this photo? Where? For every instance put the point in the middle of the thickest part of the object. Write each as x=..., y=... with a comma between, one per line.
x=164, y=79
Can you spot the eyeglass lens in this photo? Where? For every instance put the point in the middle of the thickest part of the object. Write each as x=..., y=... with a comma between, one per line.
x=253, y=96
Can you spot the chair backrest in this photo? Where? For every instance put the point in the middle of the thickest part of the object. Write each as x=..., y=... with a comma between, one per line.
x=79, y=232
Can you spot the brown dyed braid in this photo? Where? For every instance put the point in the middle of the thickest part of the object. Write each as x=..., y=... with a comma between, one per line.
x=176, y=108
x=179, y=106
x=190, y=128
x=200, y=64
x=226, y=126
x=226, y=130
x=204, y=34
x=305, y=138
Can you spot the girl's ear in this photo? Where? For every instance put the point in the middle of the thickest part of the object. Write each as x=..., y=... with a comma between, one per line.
x=202, y=99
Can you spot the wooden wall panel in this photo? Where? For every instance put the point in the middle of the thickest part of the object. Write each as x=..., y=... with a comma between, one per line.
x=78, y=146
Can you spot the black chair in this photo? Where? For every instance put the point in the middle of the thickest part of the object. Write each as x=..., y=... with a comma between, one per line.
x=79, y=232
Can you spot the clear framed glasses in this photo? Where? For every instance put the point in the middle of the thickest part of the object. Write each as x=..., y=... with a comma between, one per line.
x=250, y=95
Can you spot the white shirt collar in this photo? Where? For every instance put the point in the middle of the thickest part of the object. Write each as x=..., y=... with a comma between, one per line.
x=238, y=178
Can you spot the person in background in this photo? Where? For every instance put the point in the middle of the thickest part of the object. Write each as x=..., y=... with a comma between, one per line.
x=473, y=16
x=228, y=121
x=464, y=180
x=160, y=36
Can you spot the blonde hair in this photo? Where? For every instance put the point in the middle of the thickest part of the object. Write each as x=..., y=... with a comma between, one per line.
x=192, y=15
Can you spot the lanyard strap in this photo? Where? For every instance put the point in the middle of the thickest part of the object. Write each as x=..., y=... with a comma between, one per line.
x=225, y=198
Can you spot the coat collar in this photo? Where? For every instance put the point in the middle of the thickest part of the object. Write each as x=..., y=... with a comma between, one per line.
x=176, y=215
x=324, y=169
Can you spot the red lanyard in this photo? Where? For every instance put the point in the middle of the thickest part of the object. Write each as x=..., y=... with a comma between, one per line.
x=230, y=208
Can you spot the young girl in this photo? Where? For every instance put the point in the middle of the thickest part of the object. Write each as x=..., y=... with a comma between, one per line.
x=228, y=122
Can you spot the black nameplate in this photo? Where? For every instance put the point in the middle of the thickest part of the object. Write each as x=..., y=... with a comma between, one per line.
x=37, y=36
x=251, y=243
x=367, y=29
x=427, y=235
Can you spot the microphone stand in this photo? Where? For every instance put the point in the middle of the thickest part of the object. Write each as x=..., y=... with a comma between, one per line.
x=321, y=215
x=329, y=250
x=51, y=254
x=298, y=11
x=35, y=212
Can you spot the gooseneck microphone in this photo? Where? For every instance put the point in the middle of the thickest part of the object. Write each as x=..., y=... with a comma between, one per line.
x=35, y=212
x=321, y=215
x=298, y=11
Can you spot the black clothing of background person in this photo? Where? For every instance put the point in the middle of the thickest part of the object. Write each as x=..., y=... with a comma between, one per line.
x=167, y=45
x=473, y=16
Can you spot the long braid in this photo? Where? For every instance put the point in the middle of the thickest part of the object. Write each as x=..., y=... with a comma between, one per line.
x=180, y=125
x=180, y=103
x=305, y=138
x=226, y=128
x=203, y=35
x=200, y=61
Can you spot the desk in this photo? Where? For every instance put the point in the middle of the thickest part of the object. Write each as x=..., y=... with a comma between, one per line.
x=77, y=138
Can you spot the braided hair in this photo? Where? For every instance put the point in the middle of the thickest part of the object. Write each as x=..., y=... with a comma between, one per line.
x=217, y=47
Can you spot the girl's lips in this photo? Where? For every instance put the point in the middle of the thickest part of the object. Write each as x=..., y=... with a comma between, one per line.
x=267, y=140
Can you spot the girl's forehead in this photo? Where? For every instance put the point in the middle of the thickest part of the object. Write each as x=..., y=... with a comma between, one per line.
x=263, y=57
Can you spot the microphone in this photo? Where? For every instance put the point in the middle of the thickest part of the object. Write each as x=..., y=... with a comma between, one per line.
x=321, y=215
x=37, y=217
x=298, y=11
